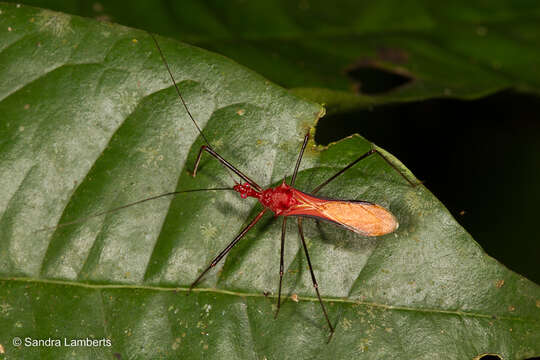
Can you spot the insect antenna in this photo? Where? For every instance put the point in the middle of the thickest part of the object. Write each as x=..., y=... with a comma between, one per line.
x=178, y=90
x=183, y=101
x=83, y=219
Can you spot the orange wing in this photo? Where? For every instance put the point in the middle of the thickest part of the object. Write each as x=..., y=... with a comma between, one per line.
x=361, y=217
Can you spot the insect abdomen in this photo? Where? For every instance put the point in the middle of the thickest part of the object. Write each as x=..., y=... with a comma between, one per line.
x=359, y=216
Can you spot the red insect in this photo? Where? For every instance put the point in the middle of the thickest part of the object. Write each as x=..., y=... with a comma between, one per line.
x=358, y=216
x=361, y=217
x=284, y=200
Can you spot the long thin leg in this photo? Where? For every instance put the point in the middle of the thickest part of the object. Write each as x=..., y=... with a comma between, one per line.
x=207, y=146
x=224, y=252
x=228, y=165
x=306, y=138
x=369, y=153
x=283, y=231
x=315, y=285
x=284, y=225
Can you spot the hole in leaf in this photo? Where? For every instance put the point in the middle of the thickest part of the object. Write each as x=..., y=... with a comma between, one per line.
x=489, y=357
x=372, y=80
x=478, y=157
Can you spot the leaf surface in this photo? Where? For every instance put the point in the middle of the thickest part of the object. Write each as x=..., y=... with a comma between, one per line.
x=90, y=121
x=333, y=54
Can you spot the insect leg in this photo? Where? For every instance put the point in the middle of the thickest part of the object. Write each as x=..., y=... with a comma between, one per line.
x=207, y=146
x=225, y=163
x=224, y=252
x=306, y=138
x=284, y=225
x=369, y=153
x=283, y=231
x=315, y=285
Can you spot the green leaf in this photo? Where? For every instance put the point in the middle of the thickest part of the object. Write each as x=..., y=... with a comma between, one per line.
x=464, y=49
x=90, y=121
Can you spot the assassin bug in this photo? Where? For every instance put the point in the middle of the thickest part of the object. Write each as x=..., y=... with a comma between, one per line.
x=361, y=217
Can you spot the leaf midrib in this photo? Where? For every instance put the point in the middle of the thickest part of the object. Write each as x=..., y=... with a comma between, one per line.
x=244, y=294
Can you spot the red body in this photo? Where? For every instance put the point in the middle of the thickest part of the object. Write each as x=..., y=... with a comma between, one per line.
x=359, y=216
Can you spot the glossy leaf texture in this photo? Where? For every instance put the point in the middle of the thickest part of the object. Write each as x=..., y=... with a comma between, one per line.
x=463, y=49
x=90, y=121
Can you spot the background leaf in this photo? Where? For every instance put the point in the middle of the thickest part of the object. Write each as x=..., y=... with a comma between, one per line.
x=313, y=48
x=91, y=122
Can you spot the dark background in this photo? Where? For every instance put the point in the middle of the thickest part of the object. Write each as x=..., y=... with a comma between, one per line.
x=479, y=157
